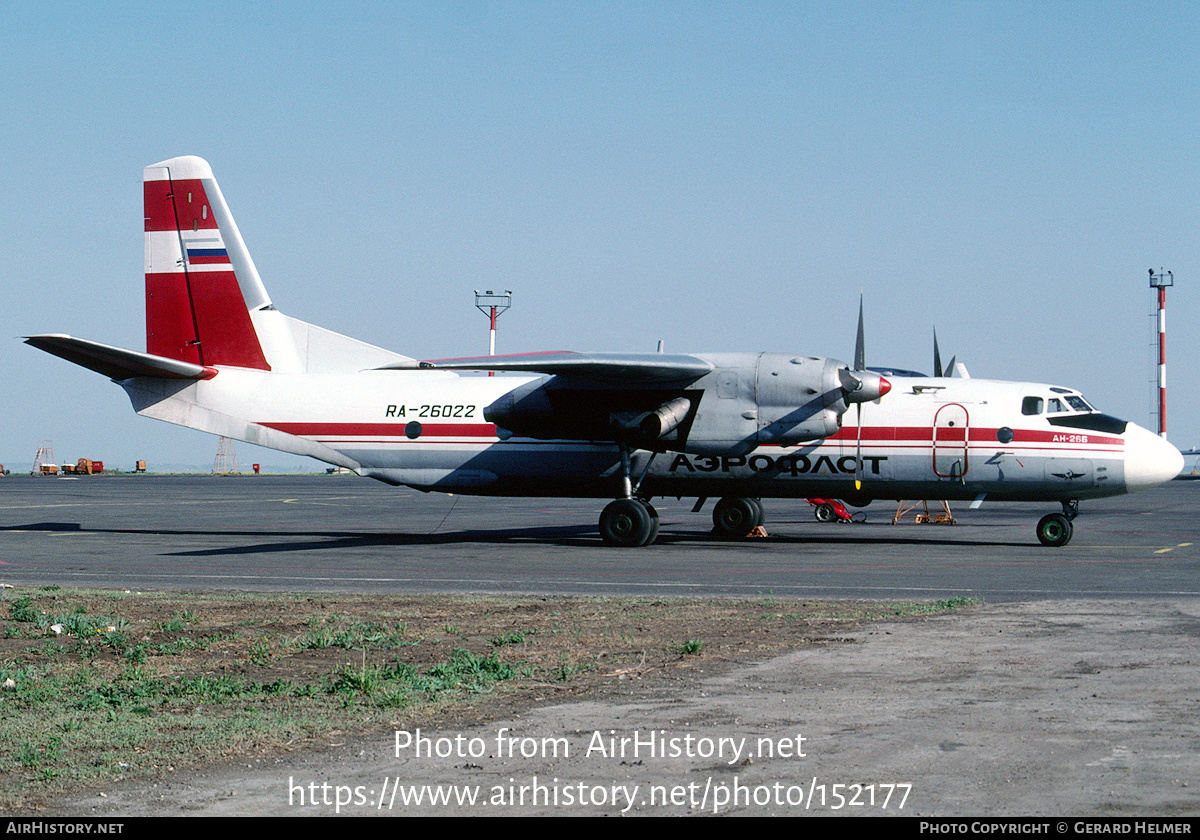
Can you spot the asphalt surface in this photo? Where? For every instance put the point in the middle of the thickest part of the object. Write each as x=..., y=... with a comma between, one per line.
x=1069, y=693
x=346, y=533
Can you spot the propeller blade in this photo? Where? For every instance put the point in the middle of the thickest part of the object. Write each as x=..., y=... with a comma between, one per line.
x=950, y=367
x=850, y=382
x=861, y=385
x=860, y=351
x=858, y=464
x=937, y=357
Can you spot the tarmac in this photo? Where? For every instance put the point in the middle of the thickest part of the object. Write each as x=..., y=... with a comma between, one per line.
x=1071, y=689
x=343, y=533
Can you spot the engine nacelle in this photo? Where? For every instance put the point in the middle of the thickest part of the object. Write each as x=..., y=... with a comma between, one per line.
x=665, y=419
x=747, y=400
x=800, y=398
x=526, y=411
x=550, y=410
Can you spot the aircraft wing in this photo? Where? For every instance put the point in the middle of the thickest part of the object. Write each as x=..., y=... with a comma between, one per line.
x=603, y=367
x=116, y=363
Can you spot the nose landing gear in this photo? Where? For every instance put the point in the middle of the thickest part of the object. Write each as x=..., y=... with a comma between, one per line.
x=1055, y=529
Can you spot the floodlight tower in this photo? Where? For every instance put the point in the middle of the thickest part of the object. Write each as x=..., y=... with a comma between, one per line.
x=492, y=304
x=1161, y=281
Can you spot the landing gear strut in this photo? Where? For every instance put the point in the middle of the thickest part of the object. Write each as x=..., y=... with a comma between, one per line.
x=629, y=522
x=1055, y=529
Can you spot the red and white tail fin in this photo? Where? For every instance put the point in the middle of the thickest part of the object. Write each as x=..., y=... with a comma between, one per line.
x=201, y=284
x=205, y=303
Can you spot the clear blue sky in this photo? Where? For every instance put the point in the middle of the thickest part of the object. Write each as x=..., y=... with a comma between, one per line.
x=721, y=176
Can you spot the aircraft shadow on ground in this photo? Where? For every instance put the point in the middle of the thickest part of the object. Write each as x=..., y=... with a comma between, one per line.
x=559, y=535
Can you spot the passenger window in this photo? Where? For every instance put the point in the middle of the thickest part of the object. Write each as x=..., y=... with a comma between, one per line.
x=1031, y=405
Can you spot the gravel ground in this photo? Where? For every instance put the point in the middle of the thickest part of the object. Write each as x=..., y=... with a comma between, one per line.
x=1081, y=708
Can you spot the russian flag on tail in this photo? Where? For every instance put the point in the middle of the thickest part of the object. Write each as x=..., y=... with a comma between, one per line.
x=207, y=256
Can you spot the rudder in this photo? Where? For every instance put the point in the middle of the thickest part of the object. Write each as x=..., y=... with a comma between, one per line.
x=200, y=281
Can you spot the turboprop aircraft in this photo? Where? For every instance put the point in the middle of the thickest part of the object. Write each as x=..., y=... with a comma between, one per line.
x=739, y=427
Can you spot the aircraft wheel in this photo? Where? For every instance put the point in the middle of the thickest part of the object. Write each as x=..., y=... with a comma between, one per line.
x=653, y=523
x=627, y=523
x=736, y=517
x=759, y=515
x=1055, y=530
x=825, y=512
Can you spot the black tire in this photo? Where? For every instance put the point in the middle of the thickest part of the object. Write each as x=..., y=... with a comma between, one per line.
x=825, y=512
x=759, y=515
x=1055, y=530
x=653, y=534
x=626, y=523
x=735, y=516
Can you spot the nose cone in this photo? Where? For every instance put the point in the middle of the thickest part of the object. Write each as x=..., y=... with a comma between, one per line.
x=1149, y=459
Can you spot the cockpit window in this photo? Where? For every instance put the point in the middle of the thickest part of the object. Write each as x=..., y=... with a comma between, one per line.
x=1068, y=403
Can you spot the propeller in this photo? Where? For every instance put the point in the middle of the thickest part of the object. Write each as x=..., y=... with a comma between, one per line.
x=860, y=388
x=860, y=363
x=860, y=350
x=937, y=360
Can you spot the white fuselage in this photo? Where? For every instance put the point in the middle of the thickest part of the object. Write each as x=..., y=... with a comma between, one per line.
x=944, y=438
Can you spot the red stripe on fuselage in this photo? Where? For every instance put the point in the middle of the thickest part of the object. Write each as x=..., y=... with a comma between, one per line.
x=901, y=435
x=897, y=436
x=383, y=430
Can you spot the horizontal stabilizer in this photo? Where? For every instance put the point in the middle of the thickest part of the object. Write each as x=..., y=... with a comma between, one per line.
x=644, y=367
x=116, y=363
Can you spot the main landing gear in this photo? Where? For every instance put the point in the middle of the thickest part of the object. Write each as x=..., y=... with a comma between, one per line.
x=629, y=523
x=735, y=516
x=1055, y=529
x=633, y=522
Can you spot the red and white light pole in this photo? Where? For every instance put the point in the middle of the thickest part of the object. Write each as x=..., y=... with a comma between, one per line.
x=492, y=304
x=1161, y=281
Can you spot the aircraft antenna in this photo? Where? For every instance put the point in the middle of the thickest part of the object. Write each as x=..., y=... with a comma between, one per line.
x=1160, y=282
x=493, y=304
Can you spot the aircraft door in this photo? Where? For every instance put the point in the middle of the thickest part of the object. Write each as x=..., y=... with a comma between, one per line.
x=950, y=428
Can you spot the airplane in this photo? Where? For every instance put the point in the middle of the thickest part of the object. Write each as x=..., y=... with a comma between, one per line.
x=739, y=427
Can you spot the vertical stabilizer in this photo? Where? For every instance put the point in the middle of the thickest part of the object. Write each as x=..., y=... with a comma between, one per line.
x=201, y=284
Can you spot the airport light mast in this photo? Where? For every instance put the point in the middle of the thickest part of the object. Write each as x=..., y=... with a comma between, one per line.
x=492, y=304
x=1161, y=281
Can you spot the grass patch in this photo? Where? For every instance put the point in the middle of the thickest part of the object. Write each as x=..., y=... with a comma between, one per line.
x=101, y=686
